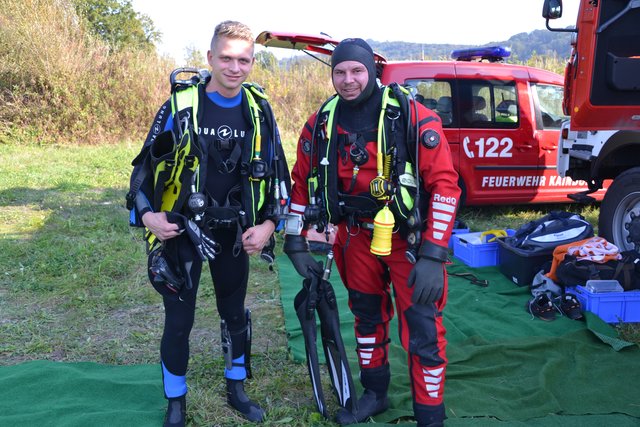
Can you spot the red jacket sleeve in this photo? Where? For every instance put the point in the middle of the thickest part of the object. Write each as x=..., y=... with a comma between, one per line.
x=438, y=177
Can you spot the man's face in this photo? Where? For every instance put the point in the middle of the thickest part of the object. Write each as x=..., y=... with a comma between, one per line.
x=231, y=61
x=350, y=78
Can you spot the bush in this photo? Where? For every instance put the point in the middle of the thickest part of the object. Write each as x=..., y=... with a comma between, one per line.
x=60, y=84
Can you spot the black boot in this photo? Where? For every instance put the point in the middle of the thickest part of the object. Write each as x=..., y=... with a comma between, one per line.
x=176, y=412
x=374, y=400
x=429, y=416
x=368, y=405
x=238, y=399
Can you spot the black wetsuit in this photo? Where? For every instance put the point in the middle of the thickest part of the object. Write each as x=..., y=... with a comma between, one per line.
x=222, y=126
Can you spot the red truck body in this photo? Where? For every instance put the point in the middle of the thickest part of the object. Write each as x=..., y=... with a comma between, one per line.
x=601, y=141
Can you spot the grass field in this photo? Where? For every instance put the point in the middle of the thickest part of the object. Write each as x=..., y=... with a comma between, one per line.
x=73, y=283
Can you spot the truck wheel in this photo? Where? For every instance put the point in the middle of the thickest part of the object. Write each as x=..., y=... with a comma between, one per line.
x=619, y=220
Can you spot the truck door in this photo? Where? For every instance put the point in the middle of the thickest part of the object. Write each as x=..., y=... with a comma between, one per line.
x=498, y=154
x=547, y=104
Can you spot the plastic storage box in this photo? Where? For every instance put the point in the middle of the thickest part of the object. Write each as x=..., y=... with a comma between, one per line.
x=612, y=307
x=457, y=231
x=518, y=265
x=599, y=286
x=468, y=248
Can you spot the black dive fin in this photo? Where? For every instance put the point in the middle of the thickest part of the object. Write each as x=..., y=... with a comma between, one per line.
x=334, y=350
x=308, y=323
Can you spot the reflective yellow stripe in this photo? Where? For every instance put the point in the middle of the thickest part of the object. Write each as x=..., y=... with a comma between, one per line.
x=331, y=108
x=256, y=148
x=256, y=142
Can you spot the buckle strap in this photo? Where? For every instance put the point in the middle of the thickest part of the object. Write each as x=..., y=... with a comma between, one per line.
x=229, y=164
x=365, y=225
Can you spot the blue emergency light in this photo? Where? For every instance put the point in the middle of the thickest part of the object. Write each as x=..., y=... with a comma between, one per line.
x=489, y=53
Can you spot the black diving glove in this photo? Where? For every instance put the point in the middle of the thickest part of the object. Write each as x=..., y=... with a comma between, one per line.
x=297, y=249
x=206, y=247
x=427, y=274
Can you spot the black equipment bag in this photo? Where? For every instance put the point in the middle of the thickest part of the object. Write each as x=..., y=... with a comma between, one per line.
x=626, y=271
x=554, y=229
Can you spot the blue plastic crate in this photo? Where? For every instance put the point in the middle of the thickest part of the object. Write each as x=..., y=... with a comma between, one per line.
x=457, y=231
x=612, y=307
x=467, y=249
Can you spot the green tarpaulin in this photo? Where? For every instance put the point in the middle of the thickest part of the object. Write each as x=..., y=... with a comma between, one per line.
x=51, y=394
x=504, y=366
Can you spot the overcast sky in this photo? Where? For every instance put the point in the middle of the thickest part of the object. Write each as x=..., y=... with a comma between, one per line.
x=475, y=22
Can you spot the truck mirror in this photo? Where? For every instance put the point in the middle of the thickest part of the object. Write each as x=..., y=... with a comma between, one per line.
x=552, y=9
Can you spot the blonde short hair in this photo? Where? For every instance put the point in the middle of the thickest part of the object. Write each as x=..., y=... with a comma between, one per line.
x=232, y=30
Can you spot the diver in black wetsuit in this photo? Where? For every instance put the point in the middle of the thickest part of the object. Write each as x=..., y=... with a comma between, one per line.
x=236, y=218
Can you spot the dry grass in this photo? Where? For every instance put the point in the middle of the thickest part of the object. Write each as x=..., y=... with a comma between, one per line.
x=60, y=84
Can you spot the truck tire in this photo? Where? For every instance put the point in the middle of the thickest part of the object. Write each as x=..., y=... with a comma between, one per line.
x=619, y=220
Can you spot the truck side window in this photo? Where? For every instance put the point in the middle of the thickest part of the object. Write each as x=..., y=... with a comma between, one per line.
x=488, y=104
x=548, y=104
x=435, y=95
x=506, y=104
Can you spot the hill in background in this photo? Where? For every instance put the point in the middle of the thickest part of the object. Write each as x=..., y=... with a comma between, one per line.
x=523, y=46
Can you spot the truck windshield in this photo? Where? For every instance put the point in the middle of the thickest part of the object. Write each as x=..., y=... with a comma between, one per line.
x=550, y=105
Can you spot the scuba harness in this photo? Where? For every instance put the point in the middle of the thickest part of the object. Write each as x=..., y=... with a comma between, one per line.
x=176, y=164
x=395, y=190
x=262, y=187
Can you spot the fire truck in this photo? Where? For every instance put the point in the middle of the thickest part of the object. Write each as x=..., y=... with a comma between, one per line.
x=501, y=120
x=601, y=140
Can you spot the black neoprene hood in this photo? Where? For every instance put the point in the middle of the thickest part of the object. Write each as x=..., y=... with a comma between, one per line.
x=355, y=49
